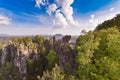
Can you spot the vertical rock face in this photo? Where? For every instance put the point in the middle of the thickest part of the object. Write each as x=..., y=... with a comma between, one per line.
x=66, y=55
x=65, y=51
x=66, y=39
x=4, y=54
x=18, y=55
x=8, y=53
x=21, y=55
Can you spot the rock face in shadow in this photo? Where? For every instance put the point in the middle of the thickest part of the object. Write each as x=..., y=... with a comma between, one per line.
x=66, y=55
x=66, y=39
x=66, y=58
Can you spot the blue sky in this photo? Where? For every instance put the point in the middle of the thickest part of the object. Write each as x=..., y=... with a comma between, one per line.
x=27, y=17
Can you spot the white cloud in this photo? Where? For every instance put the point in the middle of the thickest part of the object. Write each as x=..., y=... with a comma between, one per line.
x=94, y=20
x=111, y=9
x=38, y=2
x=52, y=8
x=100, y=17
x=67, y=11
x=60, y=21
x=63, y=17
x=4, y=20
x=41, y=2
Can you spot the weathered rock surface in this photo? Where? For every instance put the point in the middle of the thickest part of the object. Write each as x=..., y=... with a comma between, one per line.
x=17, y=54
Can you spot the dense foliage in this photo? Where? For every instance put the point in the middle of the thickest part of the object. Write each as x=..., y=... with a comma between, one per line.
x=98, y=55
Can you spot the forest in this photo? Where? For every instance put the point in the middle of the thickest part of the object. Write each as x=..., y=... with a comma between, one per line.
x=94, y=56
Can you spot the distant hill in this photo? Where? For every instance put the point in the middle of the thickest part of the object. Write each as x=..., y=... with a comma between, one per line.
x=58, y=35
x=4, y=35
x=115, y=22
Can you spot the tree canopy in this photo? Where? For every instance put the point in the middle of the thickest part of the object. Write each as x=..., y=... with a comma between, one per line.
x=98, y=55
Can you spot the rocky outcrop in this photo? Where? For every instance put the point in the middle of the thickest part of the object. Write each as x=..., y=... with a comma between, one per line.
x=18, y=55
x=66, y=55
x=66, y=39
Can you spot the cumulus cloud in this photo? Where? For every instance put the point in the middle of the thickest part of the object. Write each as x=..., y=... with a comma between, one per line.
x=4, y=20
x=41, y=2
x=63, y=13
x=67, y=11
x=60, y=20
x=52, y=8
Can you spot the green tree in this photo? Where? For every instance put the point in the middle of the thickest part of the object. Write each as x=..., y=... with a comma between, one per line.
x=8, y=71
x=86, y=46
x=98, y=55
x=30, y=70
x=52, y=59
x=108, y=55
x=38, y=39
x=55, y=74
x=27, y=40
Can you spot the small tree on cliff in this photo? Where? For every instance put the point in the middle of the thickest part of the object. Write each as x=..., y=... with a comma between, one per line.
x=55, y=74
x=52, y=59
